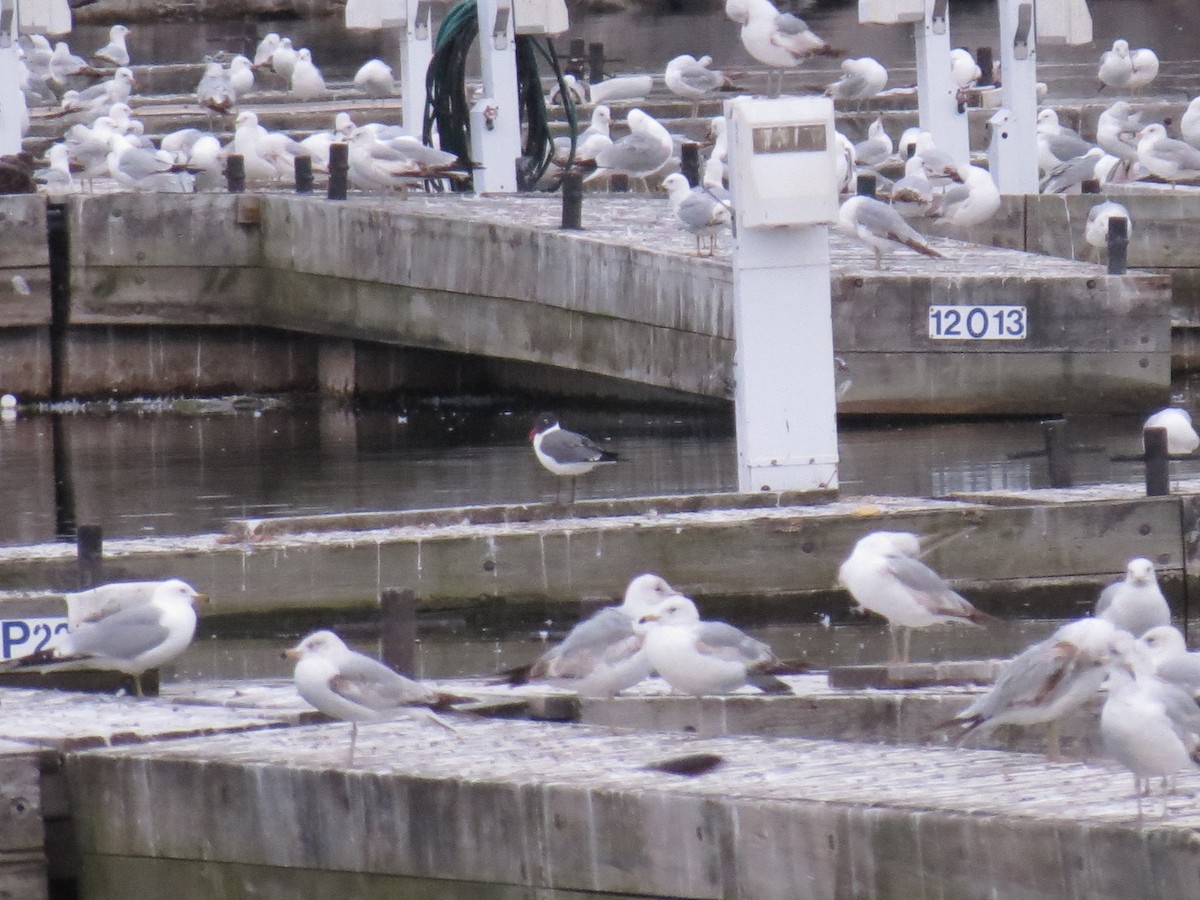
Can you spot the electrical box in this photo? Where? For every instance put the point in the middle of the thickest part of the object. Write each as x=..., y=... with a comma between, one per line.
x=1063, y=22
x=540, y=17
x=42, y=16
x=890, y=12
x=782, y=161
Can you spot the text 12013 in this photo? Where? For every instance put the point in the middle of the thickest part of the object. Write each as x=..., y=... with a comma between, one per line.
x=978, y=323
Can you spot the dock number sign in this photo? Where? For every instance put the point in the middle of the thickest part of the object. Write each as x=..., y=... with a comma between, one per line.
x=20, y=637
x=978, y=323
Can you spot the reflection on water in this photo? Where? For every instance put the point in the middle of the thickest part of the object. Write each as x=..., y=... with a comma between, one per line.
x=168, y=473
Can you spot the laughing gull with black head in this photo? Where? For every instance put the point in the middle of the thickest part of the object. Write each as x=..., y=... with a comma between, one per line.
x=566, y=453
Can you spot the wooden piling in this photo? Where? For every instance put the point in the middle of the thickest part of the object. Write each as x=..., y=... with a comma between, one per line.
x=399, y=618
x=339, y=169
x=595, y=62
x=1057, y=452
x=304, y=175
x=89, y=545
x=1118, y=245
x=572, y=201
x=866, y=186
x=1158, y=474
x=619, y=183
x=689, y=162
x=235, y=173
x=986, y=63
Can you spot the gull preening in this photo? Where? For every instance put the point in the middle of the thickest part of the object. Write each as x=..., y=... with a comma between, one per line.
x=883, y=574
x=779, y=40
x=1095, y=232
x=912, y=196
x=1122, y=68
x=880, y=227
x=973, y=202
x=142, y=633
x=565, y=453
x=692, y=78
x=705, y=658
x=375, y=79
x=861, y=79
x=1136, y=603
x=603, y=655
x=704, y=211
x=963, y=68
x=1182, y=439
x=639, y=154
x=352, y=687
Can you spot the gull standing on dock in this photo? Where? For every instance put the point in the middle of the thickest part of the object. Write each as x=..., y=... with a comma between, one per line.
x=1095, y=232
x=883, y=575
x=692, y=79
x=352, y=687
x=1046, y=682
x=307, y=81
x=1149, y=726
x=1182, y=439
x=1116, y=133
x=215, y=92
x=375, y=79
x=705, y=658
x=963, y=68
x=779, y=40
x=1135, y=604
x=1165, y=157
x=861, y=79
x=137, y=637
x=566, y=453
x=267, y=46
x=973, y=202
x=912, y=196
x=241, y=75
x=589, y=142
x=880, y=227
x=1172, y=662
x=703, y=211
x=603, y=655
x=64, y=64
x=641, y=153
x=1189, y=124
x=114, y=51
x=283, y=59
x=1067, y=177
x=877, y=148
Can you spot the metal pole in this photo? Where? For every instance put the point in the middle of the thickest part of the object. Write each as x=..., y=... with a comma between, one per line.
x=865, y=185
x=595, y=62
x=1158, y=474
x=937, y=94
x=399, y=637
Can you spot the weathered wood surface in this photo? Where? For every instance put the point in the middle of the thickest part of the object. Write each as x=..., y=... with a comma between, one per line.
x=783, y=559
x=22, y=855
x=572, y=808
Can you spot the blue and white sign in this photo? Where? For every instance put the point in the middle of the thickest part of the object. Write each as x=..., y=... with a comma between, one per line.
x=978, y=323
x=20, y=637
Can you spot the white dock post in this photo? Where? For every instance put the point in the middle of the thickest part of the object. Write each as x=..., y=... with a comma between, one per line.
x=937, y=93
x=416, y=51
x=1013, y=153
x=496, y=118
x=12, y=100
x=785, y=404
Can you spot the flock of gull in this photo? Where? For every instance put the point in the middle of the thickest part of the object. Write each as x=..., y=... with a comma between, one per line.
x=1127, y=651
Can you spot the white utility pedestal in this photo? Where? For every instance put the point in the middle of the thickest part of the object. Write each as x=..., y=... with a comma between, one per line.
x=1012, y=153
x=496, y=119
x=937, y=92
x=782, y=176
x=12, y=100
x=416, y=51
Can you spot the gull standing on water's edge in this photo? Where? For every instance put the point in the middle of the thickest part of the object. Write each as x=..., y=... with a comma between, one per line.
x=1136, y=603
x=566, y=453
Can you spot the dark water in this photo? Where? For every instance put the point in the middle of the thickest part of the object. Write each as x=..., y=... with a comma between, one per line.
x=165, y=473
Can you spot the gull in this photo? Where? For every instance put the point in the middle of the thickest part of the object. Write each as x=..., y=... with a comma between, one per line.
x=139, y=636
x=884, y=576
x=1134, y=604
x=939, y=167
x=861, y=79
x=384, y=165
x=1182, y=439
x=64, y=64
x=179, y=143
x=639, y=154
x=705, y=658
x=318, y=144
x=566, y=453
x=963, y=68
x=115, y=90
x=597, y=129
x=602, y=655
x=779, y=40
x=907, y=145
x=1189, y=125
x=89, y=147
x=1116, y=68
x=215, y=92
x=1145, y=68
x=241, y=75
x=206, y=160
x=1067, y=177
x=1046, y=682
x=912, y=195
x=1054, y=149
x=114, y=51
x=1096, y=230
x=622, y=87
x=1172, y=662
x=847, y=165
x=38, y=57
x=136, y=167
x=876, y=148
x=1048, y=123
x=880, y=227
x=973, y=202
x=1116, y=133
x=247, y=137
x=283, y=58
x=267, y=46
x=1148, y=726
x=352, y=687
x=1165, y=157
x=375, y=79
x=703, y=211
x=307, y=81
x=692, y=78
x=577, y=90
x=57, y=177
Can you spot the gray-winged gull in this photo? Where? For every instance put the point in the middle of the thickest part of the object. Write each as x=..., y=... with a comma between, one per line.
x=973, y=202
x=639, y=154
x=779, y=40
x=602, y=655
x=566, y=453
x=1045, y=682
x=1095, y=232
x=861, y=79
x=703, y=211
x=704, y=658
x=115, y=51
x=880, y=227
x=884, y=577
x=692, y=78
x=375, y=78
x=876, y=148
x=1182, y=439
x=1172, y=661
x=142, y=634
x=306, y=81
x=912, y=196
x=1135, y=603
x=1165, y=157
x=352, y=687
x=215, y=91
x=1068, y=176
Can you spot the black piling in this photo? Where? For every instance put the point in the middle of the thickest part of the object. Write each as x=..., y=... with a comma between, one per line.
x=89, y=549
x=64, y=482
x=399, y=619
x=866, y=186
x=1158, y=473
x=1057, y=452
x=304, y=175
x=339, y=170
x=1118, y=245
x=987, y=66
x=235, y=173
x=572, y=201
x=595, y=62
x=58, y=241
x=619, y=183
x=689, y=162
x=1089, y=186
x=576, y=58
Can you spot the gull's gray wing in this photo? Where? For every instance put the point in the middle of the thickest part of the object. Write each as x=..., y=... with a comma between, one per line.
x=849, y=86
x=722, y=640
x=1069, y=173
x=882, y=220
x=953, y=196
x=633, y=153
x=139, y=164
x=699, y=211
x=123, y=635
x=786, y=23
x=370, y=683
x=700, y=78
x=1183, y=670
x=871, y=152
x=567, y=446
x=935, y=594
x=1030, y=679
x=606, y=636
x=1065, y=147
x=1176, y=152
